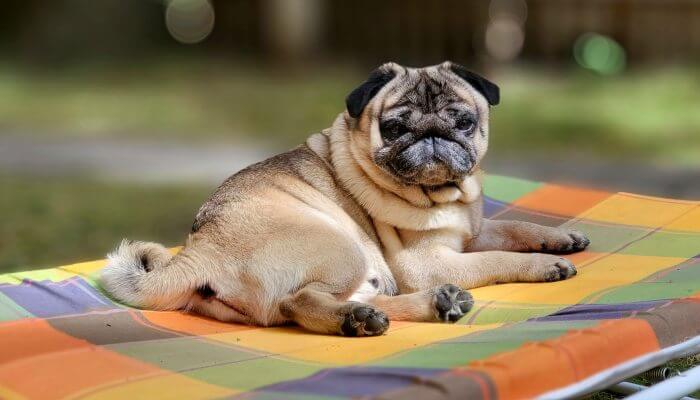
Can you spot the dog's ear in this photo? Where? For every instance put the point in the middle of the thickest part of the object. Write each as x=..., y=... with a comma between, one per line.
x=358, y=98
x=487, y=88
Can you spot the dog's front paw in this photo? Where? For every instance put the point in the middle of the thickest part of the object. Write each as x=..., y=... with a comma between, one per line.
x=364, y=320
x=451, y=303
x=565, y=242
x=549, y=268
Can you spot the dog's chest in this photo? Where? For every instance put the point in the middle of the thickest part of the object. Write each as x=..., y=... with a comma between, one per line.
x=452, y=228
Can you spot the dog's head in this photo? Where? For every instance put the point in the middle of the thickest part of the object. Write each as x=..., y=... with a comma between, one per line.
x=424, y=126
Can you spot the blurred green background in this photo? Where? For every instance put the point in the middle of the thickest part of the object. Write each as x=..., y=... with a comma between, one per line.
x=119, y=117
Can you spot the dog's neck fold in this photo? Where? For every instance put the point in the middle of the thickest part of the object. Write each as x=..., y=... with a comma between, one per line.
x=403, y=206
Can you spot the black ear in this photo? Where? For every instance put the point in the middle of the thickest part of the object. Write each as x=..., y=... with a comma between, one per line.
x=358, y=98
x=478, y=82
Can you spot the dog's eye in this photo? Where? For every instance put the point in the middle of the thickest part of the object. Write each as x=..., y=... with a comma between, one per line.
x=392, y=129
x=465, y=124
x=452, y=112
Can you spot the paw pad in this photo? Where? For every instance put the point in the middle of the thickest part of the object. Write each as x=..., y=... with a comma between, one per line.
x=363, y=320
x=451, y=303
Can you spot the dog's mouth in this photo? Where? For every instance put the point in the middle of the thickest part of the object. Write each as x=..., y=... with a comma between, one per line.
x=433, y=161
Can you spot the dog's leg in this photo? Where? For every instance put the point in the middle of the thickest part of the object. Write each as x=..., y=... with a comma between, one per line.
x=446, y=303
x=215, y=308
x=470, y=270
x=317, y=310
x=525, y=236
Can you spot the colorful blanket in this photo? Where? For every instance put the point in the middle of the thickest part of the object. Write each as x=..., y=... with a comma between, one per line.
x=636, y=292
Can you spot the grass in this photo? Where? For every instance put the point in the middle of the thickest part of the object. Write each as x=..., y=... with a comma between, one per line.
x=647, y=114
x=178, y=101
x=49, y=222
x=680, y=364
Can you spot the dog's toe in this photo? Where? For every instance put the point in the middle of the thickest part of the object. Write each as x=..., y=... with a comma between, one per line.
x=364, y=320
x=579, y=240
x=562, y=242
x=559, y=270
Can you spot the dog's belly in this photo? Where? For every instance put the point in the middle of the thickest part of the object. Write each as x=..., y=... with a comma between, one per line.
x=300, y=243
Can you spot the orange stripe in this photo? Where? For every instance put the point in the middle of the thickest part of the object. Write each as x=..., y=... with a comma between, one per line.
x=191, y=324
x=561, y=200
x=38, y=361
x=27, y=338
x=538, y=367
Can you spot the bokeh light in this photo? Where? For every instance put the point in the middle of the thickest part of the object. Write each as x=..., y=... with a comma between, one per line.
x=504, y=39
x=513, y=9
x=189, y=21
x=505, y=33
x=600, y=53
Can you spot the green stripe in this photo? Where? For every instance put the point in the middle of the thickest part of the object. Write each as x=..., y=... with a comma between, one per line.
x=666, y=244
x=10, y=311
x=510, y=312
x=679, y=281
x=608, y=238
x=182, y=354
x=50, y=274
x=253, y=374
x=507, y=189
x=460, y=351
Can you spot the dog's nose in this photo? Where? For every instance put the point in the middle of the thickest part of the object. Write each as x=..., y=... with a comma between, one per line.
x=437, y=132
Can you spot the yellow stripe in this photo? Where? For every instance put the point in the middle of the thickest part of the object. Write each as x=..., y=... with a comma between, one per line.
x=7, y=394
x=169, y=386
x=630, y=209
x=298, y=344
x=604, y=273
x=688, y=222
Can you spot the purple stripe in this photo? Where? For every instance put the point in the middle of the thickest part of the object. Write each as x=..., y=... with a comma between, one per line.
x=581, y=312
x=491, y=206
x=50, y=299
x=353, y=381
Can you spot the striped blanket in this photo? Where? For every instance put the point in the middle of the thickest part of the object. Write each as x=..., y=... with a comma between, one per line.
x=636, y=292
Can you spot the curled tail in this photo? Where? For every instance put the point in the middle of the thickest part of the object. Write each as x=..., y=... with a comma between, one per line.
x=147, y=275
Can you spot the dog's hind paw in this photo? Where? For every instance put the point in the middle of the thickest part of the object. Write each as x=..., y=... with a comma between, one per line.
x=364, y=320
x=451, y=303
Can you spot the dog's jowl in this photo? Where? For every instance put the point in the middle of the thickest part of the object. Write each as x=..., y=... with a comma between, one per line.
x=378, y=217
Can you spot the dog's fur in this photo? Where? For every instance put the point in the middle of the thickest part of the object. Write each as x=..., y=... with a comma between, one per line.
x=378, y=217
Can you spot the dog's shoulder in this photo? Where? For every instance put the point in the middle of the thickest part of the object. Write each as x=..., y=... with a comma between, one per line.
x=296, y=171
x=245, y=185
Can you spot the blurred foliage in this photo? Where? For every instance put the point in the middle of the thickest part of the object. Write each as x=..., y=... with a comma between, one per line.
x=643, y=114
x=175, y=101
x=49, y=222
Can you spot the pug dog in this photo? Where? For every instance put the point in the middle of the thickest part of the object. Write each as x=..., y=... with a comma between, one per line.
x=378, y=217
